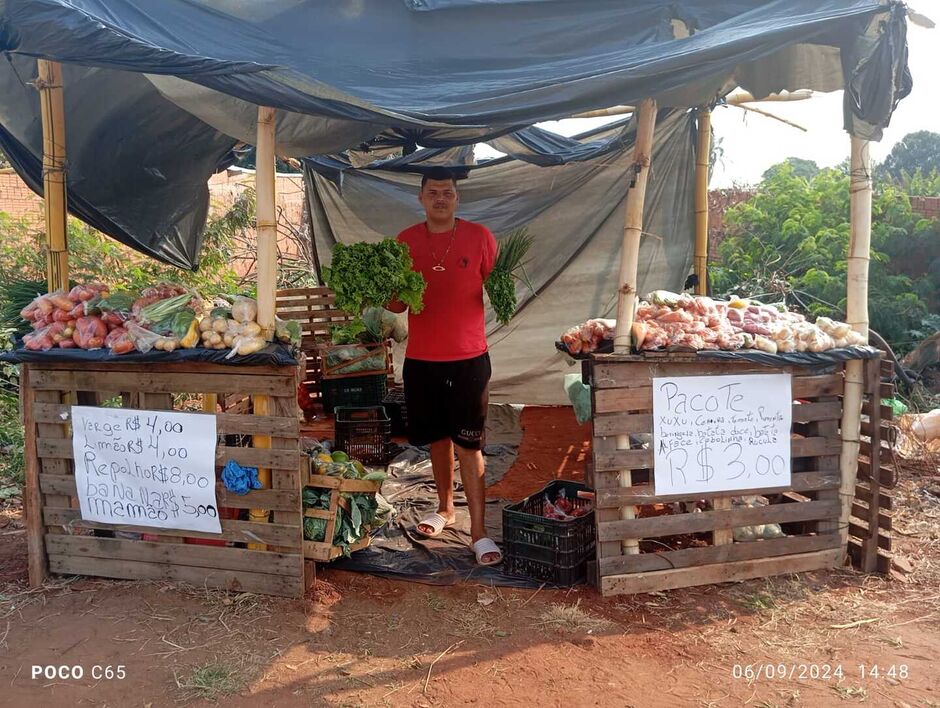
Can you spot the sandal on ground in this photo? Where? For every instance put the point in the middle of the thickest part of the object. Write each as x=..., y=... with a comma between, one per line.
x=484, y=547
x=437, y=522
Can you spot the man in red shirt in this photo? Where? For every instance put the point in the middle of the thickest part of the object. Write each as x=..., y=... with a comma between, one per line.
x=447, y=366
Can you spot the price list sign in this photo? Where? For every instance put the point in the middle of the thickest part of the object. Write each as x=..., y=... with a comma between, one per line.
x=721, y=433
x=146, y=468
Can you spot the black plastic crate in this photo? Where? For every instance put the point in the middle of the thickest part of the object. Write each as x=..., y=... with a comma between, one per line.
x=394, y=403
x=356, y=391
x=364, y=433
x=546, y=549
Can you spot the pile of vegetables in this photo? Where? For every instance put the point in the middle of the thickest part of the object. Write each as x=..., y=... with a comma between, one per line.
x=666, y=320
x=358, y=512
x=509, y=267
x=165, y=317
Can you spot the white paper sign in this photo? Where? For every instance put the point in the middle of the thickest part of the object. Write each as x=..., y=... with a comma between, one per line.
x=721, y=433
x=146, y=468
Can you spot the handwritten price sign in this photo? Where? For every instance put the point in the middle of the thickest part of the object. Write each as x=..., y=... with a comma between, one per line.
x=146, y=468
x=721, y=433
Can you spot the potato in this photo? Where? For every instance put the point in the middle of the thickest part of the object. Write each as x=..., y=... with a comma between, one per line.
x=219, y=324
x=216, y=338
x=160, y=344
x=228, y=339
x=205, y=324
x=251, y=329
x=170, y=346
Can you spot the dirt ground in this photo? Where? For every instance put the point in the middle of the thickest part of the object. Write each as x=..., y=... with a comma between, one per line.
x=820, y=639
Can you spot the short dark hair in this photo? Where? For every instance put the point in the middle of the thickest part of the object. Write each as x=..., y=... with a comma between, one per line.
x=438, y=173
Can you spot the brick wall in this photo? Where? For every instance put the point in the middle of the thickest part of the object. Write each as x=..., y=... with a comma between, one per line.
x=927, y=207
x=18, y=200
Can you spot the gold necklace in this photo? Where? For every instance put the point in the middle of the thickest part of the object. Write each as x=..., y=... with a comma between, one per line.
x=440, y=263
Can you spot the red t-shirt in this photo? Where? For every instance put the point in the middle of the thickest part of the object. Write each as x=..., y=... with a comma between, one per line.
x=450, y=327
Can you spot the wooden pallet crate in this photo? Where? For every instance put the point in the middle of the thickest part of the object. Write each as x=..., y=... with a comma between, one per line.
x=265, y=557
x=325, y=551
x=315, y=309
x=869, y=544
x=808, y=510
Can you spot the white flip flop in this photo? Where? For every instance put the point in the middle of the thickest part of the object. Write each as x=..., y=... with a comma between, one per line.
x=484, y=546
x=436, y=522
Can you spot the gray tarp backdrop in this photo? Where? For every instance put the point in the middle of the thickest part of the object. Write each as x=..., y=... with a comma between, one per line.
x=166, y=87
x=575, y=210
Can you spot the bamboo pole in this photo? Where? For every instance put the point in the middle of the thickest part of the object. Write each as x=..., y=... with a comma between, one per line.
x=266, y=234
x=856, y=310
x=734, y=99
x=702, y=154
x=629, y=264
x=52, y=108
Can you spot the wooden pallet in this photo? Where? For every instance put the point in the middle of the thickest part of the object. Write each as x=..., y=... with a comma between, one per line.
x=870, y=525
x=325, y=551
x=60, y=541
x=808, y=510
x=315, y=309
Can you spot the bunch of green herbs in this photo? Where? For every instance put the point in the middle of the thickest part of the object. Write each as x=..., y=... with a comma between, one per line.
x=509, y=267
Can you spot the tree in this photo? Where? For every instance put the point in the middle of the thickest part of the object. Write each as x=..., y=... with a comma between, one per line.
x=915, y=151
x=807, y=169
x=789, y=243
x=4, y=160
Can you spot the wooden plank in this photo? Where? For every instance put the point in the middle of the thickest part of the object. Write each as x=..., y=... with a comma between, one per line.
x=285, y=500
x=884, y=411
x=174, y=554
x=710, y=520
x=722, y=537
x=311, y=291
x=156, y=382
x=169, y=368
x=289, y=314
x=617, y=400
x=861, y=532
x=236, y=581
x=887, y=477
x=882, y=562
x=37, y=563
x=861, y=511
x=248, y=456
x=799, y=482
x=827, y=429
x=614, y=424
x=240, y=531
x=815, y=447
x=814, y=386
x=863, y=494
x=720, y=572
x=817, y=411
x=622, y=460
x=57, y=431
x=689, y=557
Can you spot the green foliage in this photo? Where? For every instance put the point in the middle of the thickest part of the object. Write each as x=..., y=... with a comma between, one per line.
x=807, y=169
x=915, y=151
x=372, y=274
x=790, y=242
x=12, y=461
x=4, y=160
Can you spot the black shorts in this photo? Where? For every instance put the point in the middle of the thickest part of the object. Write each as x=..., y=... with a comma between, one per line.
x=447, y=399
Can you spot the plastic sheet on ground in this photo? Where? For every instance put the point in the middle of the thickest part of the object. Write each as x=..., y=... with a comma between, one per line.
x=398, y=551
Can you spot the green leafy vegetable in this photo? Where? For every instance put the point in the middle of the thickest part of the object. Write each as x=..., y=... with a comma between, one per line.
x=371, y=274
x=510, y=263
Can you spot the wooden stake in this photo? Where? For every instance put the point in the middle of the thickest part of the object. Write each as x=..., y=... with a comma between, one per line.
x=38, y=563
x=52, y=107
x=857, y=315
x=266, y=233
x=629, y=263
x=702, y=155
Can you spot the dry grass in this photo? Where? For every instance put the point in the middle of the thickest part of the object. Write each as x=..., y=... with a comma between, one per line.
x=572, y=619
x=210, y=681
